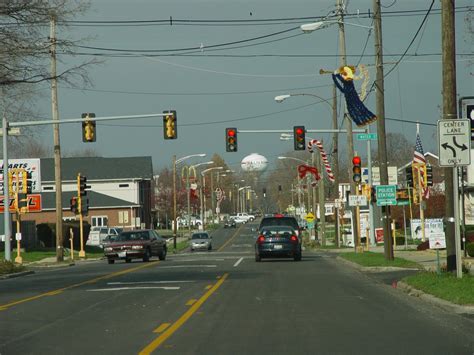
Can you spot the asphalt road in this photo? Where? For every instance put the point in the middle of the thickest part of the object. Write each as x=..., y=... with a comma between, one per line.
x=221, y=302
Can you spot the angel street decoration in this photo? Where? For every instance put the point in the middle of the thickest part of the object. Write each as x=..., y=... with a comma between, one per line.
x=344, y=79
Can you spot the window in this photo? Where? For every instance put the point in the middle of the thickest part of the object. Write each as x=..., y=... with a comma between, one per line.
x=99, y=221
x=124, y=185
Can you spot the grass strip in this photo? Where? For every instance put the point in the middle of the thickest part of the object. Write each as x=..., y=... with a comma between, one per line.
x=378, y=259
x=445, y=286
x=9, y=267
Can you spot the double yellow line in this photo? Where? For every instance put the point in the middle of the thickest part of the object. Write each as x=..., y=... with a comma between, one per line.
x=60, y=290
x=170, y=330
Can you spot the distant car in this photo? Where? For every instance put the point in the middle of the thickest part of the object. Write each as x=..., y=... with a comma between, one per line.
x=201, y=240
x=277, y=241
x=136, y=244
x=97, y=235
x=230, y=223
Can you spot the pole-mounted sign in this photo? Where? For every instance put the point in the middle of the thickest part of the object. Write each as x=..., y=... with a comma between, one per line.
x=454, y=138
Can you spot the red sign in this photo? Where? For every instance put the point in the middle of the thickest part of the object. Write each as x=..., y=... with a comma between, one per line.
x=379, y=235
x=34, y=203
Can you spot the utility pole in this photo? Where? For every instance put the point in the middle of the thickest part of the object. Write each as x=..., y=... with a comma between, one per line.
x=382, y=144
x=350, y=138
x=322, y=201
x=175, y=225
x=449, y=112
x=335, y=163
x=57, y=146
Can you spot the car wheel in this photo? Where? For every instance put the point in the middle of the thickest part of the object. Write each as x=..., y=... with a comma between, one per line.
x=210, y=247
x=258, y=258
x=297, y=257
x=128, y=260
x=147, y=255
x=110, y=261
x=162, y=255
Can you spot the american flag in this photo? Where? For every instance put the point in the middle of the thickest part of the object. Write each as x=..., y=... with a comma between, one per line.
x=419, y=156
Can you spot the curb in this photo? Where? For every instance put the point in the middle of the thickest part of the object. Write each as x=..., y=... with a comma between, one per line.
x=451, y=307
x=16, y=274
x=374, y=269
x=411, y=291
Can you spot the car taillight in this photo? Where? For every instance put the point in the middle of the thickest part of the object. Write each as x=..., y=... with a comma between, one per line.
x=294, y=239
x=278, y=215
x=261, y=239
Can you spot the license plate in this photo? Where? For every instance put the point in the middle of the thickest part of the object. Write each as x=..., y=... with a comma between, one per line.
x=278, y=246
x=122, y=254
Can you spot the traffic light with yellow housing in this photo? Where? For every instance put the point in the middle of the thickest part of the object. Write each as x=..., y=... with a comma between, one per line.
x=169, y=125
x=88, y=128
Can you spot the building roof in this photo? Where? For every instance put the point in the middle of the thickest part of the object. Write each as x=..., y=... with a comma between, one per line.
x=427, y=155
x=96, y=200
x=99, y=168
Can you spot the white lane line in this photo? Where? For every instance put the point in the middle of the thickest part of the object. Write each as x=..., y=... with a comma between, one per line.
x=200, y=259
x=135, y=288
x=238, y=262
x=185, y=266
x=147, y=282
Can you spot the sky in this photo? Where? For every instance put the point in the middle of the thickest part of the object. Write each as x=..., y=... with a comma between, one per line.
x=214, y=87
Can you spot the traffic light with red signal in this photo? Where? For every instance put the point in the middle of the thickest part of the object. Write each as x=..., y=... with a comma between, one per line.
x=231, y=139
x=356, y=169
x=299, y=139
x=74, y=205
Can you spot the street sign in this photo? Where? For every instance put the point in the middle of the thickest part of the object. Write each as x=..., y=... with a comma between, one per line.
x=392, y=175
x=466, y=104
x=366, y=136
x=357, y=200
x=454, y=138
x=34, y=203
x=437, y=241
x=309, y=217
x=386, y=195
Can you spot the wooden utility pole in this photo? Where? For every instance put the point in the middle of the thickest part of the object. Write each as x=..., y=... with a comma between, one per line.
x=448, y=39
x=57, y=146
x=382, y=144
x=175, y=226
x=335, y=164
x=348, y=122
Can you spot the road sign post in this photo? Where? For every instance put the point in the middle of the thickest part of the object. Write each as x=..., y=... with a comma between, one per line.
x=454, y=144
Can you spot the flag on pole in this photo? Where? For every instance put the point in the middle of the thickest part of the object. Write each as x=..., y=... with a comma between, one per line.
x=419, y=156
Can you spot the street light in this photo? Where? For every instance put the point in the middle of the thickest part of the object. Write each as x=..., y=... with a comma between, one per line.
x=176, y=162
x=212, y=187
x=188, y=189
x=242, y=203
x=310, y=27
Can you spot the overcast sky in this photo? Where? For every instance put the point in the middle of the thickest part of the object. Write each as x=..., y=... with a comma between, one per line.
x=235, y=85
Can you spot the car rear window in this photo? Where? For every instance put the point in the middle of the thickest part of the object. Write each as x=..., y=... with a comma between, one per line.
x=279, y=221
x=200, y=236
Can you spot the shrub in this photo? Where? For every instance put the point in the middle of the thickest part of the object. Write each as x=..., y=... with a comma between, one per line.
x=9, y=267
x=400, y=240
x=470, y=249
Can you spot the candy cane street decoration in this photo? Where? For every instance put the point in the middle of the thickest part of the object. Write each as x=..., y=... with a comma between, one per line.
x=324, y=157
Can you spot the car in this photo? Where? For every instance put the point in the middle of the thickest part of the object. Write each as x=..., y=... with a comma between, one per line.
x=201, y=240
x=278, y=241
x=280, y=220
x=136, y=244
x=108, y=239
x=230, y=223
x=97, y=235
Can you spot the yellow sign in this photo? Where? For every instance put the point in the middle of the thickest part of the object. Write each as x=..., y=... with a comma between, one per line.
x=309, y=217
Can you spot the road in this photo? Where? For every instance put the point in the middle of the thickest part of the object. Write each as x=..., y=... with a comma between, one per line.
x=221, y=302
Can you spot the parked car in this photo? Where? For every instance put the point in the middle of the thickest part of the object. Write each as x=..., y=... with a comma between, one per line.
x=278, y=241
x=97, y=235
x=136, y=244
x=230, y=223
x=280, y=220
x=201, y=240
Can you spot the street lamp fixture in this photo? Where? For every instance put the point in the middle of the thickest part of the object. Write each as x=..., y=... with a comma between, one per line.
x=203, y=218
x=310, y=27
x=176, y=162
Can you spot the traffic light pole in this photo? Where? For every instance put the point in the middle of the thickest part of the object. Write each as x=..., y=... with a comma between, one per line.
x=82, y=253
x=7, y=130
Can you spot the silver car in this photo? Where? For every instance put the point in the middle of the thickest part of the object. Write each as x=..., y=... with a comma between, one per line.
x=201, y=241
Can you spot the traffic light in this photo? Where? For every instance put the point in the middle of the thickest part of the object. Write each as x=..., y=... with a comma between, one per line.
x=22, y=202
x=82, y=185
x=27, y=182
x=74, y=205
x=170, y=129
x=356, y=169
x=231, y=139
x=409, y=176
x=88, y=128
x=429, y=175
x=299, y=139
x=84, y=206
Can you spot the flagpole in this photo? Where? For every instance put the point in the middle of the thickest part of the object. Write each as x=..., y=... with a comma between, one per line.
x=420, y=192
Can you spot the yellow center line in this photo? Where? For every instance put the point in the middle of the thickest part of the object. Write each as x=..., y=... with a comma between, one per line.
x=162, y=328
x=231, y=238
x=191, y=302
x=176, y=325
x=60, y=290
